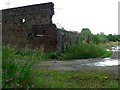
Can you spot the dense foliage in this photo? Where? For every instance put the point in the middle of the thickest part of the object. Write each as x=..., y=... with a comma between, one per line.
x=97, y=38
x=84, y=50
x=113, y=38
x=14, y=74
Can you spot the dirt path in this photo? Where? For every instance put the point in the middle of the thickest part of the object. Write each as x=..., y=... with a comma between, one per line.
x=70, y=65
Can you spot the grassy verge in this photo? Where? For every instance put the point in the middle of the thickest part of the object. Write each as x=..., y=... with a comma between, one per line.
x=74, y=79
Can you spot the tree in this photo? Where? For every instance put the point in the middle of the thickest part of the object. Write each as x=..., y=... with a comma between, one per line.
x=100, y=38
x=85, y=35
x=113, y=38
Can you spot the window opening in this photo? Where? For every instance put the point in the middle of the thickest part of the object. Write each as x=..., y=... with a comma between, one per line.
x=22, y=20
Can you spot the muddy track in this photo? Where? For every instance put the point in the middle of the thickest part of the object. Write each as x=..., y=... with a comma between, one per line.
x=71, y=66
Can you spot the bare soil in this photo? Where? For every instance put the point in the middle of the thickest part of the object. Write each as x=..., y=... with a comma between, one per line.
x=70, y=65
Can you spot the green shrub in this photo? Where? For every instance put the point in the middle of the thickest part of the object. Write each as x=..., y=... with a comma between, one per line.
x=30, y=55
x=84, y=51
x=55, y=55
x=14, y=74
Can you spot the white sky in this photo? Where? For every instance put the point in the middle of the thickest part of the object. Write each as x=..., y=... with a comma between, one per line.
x=97, y=15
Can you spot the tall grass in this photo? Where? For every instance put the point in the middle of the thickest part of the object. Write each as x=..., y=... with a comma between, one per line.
x=84, y=51
x=14, y=74
x=30, y=55
x=37, y=55
x=79, y=51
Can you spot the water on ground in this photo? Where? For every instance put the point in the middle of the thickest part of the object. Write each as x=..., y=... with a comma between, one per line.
x=103, y=62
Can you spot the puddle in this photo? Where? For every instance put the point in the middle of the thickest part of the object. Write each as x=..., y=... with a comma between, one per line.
x=104, y=62
x=113, y=61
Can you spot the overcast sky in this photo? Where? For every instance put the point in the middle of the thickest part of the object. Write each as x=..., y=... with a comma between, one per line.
x=97, y=15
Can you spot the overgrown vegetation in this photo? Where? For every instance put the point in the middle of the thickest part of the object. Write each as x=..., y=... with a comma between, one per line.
x=37, y=55
x=96, y=48
x=20, y=75
x=17, y=74
x=30, y=55
x=84, y=50
x=73, y=79
x=14, y=74
x=98, y=38
x=113, y=38
x=78, y=51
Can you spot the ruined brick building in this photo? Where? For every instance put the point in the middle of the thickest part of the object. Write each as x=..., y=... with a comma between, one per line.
x=31, y=27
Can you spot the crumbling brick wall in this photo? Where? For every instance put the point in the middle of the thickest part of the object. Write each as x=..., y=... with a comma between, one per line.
x=30, y=27
x=66, y=39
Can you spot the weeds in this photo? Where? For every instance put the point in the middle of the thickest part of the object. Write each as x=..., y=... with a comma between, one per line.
x=84, y=51
x=30, y=55
x=14, y=74
x=74, y=79
x=56, y=55
x=79, y=51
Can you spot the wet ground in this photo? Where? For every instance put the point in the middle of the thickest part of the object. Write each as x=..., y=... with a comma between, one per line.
x=83, y=65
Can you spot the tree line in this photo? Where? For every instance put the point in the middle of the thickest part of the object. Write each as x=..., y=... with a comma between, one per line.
x=88, y=36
